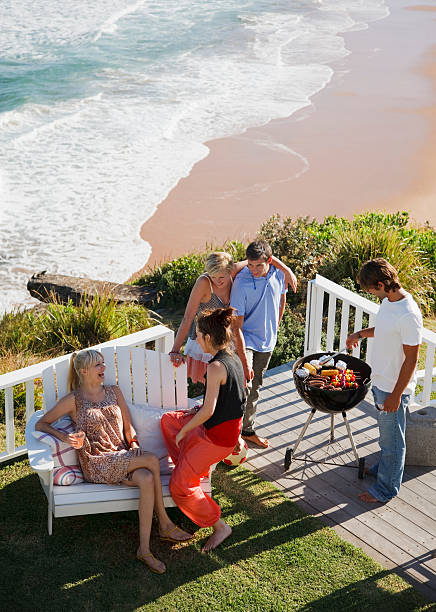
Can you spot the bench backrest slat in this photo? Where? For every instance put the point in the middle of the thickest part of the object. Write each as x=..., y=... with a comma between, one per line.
x=110, y=375
x=153, y=378
x=181, y=386
x=138, y=375
x=168, y=388
x=124, y=375
x=62, y=368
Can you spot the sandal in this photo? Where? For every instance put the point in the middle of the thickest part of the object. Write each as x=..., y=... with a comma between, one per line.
x=143, y=559
x=167, y=536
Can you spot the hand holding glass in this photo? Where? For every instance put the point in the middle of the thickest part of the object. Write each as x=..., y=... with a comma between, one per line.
x=76, y=439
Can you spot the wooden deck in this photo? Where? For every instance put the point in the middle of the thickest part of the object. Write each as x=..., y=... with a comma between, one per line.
x=400, y=535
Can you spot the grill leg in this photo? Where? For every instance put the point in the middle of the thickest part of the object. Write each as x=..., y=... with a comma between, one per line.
x=350, y=435
x=303, y=431
x=332, y=427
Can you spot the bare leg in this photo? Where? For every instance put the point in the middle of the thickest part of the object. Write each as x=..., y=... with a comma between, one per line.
x=166, y=526
x=221, y=531
x=143, y=479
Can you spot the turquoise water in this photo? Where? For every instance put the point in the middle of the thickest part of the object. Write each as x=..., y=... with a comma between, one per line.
x=105, y=105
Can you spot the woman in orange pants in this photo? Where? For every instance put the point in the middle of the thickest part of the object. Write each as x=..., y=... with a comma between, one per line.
x=196, y=441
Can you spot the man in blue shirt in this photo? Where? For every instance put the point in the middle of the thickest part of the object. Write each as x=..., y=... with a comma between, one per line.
x=259, y=298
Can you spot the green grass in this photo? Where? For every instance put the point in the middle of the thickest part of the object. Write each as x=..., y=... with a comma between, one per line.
x=277, y=559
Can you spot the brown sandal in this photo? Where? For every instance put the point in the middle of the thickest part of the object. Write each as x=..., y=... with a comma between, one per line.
x=167, y=536
x=143, y=559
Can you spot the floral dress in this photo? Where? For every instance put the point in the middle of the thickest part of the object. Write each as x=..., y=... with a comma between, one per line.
x=104, y=456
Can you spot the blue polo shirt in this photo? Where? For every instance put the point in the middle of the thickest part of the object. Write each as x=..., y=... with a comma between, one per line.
x=258, y=301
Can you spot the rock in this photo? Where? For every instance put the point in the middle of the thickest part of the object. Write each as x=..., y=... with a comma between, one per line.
x=45, y=287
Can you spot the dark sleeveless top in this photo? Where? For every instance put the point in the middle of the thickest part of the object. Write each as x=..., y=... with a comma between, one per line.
x=232, y=395
x=213, y=303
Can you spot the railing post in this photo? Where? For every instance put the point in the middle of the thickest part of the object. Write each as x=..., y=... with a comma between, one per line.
x=345, y=316
x=370, y=341
x=310, y=316
x=9, y=419
x=429, y=360
x=30, y=398
x=357, y=327
x=313, y=318
x=331, y=317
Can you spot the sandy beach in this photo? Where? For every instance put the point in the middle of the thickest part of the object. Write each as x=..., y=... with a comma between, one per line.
x=367, y=141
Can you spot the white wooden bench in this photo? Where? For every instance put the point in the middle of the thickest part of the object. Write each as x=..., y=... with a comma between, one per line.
x=145, y=377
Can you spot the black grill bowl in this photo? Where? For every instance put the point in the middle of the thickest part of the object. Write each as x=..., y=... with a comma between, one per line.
x=333, y=401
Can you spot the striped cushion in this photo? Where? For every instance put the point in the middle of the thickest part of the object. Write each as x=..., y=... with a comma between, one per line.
x=67, y=475
x=64, y=456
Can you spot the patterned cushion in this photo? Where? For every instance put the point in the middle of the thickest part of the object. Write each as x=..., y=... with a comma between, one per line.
x=64, y=455
x=68, y=475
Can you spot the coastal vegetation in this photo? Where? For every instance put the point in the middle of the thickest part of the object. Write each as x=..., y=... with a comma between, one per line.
x=278, y=558
x=334, y=247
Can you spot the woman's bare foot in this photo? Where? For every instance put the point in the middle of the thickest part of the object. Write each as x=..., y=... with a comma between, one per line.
x=221, y=531
x=367, y=497
x=172, y=533
x=238, y=447
x=148, y=559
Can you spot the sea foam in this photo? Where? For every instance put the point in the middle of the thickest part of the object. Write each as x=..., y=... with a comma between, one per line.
x=109, y=104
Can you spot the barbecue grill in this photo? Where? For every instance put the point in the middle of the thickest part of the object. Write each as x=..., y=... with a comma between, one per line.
x=332, y=402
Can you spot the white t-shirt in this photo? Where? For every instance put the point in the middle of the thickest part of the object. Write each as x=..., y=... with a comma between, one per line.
x=396, y=323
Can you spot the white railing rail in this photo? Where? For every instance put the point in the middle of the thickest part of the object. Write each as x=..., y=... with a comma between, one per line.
x=159, y=334
x=329, y=307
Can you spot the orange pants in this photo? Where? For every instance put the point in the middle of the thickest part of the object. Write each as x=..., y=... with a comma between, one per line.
x=192, y=459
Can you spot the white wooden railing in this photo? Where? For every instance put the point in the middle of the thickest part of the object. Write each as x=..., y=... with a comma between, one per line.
x=160, y=335
x=337, y=304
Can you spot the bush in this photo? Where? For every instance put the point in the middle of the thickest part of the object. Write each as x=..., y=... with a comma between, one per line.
x=67, y=327
x=17, y=332
x=62, y=328
x=290, y=339
x=299, y=245
x=350, y=249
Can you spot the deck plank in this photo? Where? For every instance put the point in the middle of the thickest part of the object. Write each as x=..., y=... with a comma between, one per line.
x=400, y=535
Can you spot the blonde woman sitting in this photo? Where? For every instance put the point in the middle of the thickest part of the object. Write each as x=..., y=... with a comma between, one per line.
x=108, y=448
x=211, y=290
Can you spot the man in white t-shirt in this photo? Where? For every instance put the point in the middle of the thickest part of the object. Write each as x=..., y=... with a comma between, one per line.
x=397, y=335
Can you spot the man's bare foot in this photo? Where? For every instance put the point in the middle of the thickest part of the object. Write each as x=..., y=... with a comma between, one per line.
x=172, y=533
x=221, y=531
x=367, y=497
x=254, y=438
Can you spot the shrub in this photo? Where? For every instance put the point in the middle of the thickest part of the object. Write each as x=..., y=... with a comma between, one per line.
x=290, y=339
x=297, y=243
x=17, y=332
x=67, y=327
x=350, y=249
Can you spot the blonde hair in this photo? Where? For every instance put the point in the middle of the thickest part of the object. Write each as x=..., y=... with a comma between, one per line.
x=81, y=360
x=218, y=262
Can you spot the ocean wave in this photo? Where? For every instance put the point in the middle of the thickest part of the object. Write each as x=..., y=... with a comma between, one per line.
x=132, y=90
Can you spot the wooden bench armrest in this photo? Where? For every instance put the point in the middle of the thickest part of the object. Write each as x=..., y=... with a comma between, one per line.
x=40, y=454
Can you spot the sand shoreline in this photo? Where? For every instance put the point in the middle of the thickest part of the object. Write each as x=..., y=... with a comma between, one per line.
x=369, y=139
